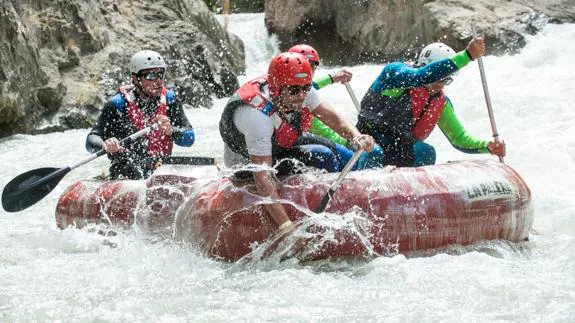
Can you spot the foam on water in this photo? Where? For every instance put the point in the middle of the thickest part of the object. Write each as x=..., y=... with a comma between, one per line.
x=77, y=275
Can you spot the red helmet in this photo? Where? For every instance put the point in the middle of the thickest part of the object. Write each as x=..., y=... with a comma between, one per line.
x=306, y=50
x=288, y=69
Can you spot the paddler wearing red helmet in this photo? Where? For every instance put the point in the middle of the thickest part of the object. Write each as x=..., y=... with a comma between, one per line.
x=265, y=122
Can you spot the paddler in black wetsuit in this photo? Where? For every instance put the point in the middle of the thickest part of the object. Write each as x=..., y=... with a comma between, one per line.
x=137, y=105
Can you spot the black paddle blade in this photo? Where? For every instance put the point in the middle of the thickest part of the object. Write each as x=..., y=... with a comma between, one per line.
x=28, y=188
x=324, y=201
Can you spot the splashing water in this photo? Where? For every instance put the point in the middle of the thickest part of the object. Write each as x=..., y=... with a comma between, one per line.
x=75, y=275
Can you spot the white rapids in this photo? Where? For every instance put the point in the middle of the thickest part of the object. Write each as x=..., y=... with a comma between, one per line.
x=78, y=275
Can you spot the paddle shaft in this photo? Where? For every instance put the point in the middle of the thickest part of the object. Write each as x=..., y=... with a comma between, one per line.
x=340, y=178
x=325, y=200
x=123, y=141
x=487, y=96
x=352, y=95
x=28, y=188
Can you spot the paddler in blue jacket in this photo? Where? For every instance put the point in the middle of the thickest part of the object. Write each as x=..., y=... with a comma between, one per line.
x=137, y=105
x=404, y=103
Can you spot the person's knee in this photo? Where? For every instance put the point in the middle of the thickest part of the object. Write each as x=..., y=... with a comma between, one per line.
x=424, y=154
x=343, y=154
x=373, y=159
x=324, y=158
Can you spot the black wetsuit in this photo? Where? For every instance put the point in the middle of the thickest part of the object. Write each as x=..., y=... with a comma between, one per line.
x=135, y=162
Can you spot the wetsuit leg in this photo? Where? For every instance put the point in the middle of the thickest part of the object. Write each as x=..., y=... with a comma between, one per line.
x=373, y=159
x=343, y=153
x=394, y=152
x=424, y=154
x=317, y=156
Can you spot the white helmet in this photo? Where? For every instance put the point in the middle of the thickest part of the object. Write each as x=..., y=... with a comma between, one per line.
x=146, y=59
x=433, y=53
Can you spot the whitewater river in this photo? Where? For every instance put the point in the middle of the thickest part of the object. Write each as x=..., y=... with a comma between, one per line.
x=73, y=276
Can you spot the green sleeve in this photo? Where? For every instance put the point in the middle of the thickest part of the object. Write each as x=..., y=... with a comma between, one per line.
x=322, y=81
x=453, y=129
x=321, y=129
x=460, y=59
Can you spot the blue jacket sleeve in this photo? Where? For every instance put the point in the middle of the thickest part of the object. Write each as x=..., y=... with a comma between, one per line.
x=185, y=138
x=183, y=134
x=399, y=75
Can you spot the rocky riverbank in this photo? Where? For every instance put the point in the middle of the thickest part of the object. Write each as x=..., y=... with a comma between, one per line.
x=61, y=59
x=360, y=31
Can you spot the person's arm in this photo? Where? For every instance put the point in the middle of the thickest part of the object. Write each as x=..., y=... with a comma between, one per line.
x=313, y=100
x=266, y=188
x=111, y=126
x=453, y=129
x=96, y=137
x=397, y=76
x=258, y=130
x=341, y=76
x=183, y=133
x=327, y=115
x=322, y=110
x=322, y=81
x=319, y=128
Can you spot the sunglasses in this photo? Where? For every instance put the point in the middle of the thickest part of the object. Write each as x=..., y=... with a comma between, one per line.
x=446, y=81
x=296, y=89
x=152, y=76
x=314, y=64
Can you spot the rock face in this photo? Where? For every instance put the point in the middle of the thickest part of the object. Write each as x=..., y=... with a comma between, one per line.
x=358, y=31
x=59, y=60
x=236, y=6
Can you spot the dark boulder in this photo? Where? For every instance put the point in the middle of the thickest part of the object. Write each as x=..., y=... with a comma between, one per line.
x=62, y=59
x=359, y=31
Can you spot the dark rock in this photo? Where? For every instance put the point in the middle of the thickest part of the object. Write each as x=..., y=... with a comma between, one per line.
x=13, y=116
x=229, y=81
x=51, y=98
x=192, y=93
x=72, y=58
x=49, y=129
x=77, y=118
x=76, y=54
x=359, y=31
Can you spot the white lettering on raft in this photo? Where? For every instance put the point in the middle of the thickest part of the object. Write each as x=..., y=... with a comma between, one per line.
x=489, y=190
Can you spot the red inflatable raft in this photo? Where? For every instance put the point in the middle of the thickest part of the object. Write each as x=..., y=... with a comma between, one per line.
x=373, y=212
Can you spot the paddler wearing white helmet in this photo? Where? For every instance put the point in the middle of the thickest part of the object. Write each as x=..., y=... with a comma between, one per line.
x=405, y=103
x=139, y=104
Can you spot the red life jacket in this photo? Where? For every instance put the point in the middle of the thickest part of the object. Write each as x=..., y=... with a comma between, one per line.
x=285, y=134
x=159, y=145
x=426, y=111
